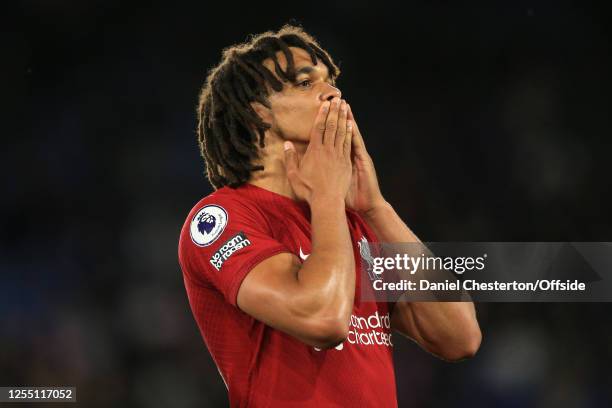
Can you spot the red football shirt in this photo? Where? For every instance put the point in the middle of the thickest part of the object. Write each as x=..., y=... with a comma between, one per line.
x=225, y=236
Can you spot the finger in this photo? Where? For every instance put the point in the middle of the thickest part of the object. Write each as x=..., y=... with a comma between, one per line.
x=341, y=132
x=348, y=140
x=358, y=143
x=331, y=125
x=291, y=160
x=318, y=128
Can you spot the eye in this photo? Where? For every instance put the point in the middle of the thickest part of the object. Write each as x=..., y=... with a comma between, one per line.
x=305, y=83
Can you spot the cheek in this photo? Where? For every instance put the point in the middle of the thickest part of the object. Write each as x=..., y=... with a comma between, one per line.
x=294, y=117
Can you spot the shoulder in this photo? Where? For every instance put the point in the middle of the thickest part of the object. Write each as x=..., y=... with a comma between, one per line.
x=209, y=217
x=230, y=199
x=227, y=231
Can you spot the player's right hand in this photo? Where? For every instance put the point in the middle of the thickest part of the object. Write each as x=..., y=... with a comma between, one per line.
x=324, y=171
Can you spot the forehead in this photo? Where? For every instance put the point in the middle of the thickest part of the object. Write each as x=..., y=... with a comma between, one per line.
x=301, y=59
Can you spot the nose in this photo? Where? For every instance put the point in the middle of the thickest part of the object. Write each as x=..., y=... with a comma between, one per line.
x=330, y=92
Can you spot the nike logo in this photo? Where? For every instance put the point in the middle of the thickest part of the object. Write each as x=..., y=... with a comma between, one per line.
x=303, y=256
x=338, y=347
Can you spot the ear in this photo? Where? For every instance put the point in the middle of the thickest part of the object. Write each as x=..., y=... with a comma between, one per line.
x=263, y=112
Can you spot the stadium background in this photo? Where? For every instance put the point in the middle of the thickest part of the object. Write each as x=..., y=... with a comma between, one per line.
x=489, y=123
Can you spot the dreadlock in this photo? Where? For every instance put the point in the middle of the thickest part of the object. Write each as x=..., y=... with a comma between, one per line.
x=229, y=130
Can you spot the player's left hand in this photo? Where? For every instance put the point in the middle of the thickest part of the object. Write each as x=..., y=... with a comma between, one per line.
x=364, y=193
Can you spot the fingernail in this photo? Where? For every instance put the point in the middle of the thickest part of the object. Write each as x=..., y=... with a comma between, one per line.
x=325, y=106
x=287, y=146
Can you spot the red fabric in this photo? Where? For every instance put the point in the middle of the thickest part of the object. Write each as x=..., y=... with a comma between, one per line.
x=261, y=366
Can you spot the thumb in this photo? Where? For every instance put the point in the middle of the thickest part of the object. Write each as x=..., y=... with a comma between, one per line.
x=291, y=160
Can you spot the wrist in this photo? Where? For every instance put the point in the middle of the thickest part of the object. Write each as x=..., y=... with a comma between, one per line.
x=326, y=202
x=379, y=210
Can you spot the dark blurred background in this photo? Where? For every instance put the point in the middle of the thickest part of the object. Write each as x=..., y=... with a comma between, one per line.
x=486, y=123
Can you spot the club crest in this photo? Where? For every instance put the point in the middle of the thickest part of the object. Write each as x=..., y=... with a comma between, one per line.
x=366, y=257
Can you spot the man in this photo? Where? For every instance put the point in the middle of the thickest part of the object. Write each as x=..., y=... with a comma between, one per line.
x=269, y=259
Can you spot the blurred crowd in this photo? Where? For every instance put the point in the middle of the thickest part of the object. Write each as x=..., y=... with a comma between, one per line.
x=485, y=124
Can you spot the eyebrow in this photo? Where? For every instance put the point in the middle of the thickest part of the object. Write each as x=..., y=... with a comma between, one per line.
x=305, y=70
x=309, y=69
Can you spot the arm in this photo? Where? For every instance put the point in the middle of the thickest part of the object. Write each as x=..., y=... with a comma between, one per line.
x=447, y=329
x=312, y=301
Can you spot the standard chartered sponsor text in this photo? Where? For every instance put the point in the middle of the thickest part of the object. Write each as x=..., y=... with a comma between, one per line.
x=473, y=285
x=374, y=329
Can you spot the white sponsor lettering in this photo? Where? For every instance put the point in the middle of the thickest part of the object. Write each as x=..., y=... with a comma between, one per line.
x=232, y=245
x=372, y=330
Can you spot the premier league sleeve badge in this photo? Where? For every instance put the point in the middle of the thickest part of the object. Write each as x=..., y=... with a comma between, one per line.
x=208, y=224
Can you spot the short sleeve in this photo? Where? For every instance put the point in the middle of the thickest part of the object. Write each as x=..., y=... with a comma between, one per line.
x=222, y=241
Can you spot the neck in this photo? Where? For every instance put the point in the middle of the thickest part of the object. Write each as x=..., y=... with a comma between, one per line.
x=274, y=175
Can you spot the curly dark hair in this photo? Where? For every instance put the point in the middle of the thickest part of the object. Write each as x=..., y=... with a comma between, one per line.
x=228, y=127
